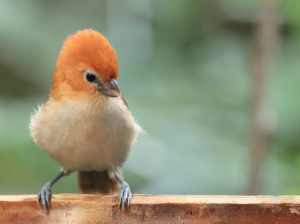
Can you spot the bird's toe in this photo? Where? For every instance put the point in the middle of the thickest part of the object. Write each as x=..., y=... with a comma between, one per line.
x=124, y=196
x=45, y=197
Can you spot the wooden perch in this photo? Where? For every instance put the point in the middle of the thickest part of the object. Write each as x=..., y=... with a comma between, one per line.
x=73, y=208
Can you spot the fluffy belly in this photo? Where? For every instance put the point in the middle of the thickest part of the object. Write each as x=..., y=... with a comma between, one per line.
x=86, y=140
x=93, y=149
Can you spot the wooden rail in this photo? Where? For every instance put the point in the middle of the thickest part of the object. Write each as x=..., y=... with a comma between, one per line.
x=74, y=208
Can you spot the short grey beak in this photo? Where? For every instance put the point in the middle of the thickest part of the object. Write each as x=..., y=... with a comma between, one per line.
x=111, y=88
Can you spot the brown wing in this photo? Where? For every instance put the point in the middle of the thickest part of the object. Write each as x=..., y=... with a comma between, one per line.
x=95, y=181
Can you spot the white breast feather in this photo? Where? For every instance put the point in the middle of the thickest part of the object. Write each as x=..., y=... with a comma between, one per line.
x=85, y=135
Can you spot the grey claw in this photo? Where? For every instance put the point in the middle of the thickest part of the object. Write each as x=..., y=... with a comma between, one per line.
x=45, y=207
x=122, y=204
x=48, y=201
x=45, y=197
x=125, y=196
x=129, y=199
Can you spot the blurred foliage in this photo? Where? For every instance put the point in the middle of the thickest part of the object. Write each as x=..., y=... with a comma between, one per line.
x=184, y=71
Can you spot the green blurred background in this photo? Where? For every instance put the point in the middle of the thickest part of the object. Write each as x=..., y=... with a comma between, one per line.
x=184, y=69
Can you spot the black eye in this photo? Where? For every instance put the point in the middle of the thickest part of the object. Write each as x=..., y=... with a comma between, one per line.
x=90, y=77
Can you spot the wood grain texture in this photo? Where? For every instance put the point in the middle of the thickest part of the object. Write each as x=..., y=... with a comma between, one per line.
x=74, y=208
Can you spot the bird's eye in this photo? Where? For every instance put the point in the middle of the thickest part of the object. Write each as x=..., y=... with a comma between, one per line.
x=90, y=77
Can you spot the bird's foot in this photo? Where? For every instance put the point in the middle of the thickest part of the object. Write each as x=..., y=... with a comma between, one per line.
x=45, y=197
x=125, y=195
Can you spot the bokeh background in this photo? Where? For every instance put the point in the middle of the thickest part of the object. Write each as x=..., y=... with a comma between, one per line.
x=185, y=71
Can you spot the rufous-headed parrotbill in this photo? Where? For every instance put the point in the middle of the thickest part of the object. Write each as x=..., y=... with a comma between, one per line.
x=85, y=123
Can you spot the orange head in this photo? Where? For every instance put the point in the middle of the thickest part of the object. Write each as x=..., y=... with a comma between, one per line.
x=86, y=65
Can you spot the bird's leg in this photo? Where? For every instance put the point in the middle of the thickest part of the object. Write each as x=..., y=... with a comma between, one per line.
x=125, y=194
x=45, y=193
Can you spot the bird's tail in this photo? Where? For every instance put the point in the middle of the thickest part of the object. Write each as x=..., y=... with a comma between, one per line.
x=95, y=181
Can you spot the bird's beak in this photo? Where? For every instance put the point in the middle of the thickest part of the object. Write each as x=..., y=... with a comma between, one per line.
x=110, y=89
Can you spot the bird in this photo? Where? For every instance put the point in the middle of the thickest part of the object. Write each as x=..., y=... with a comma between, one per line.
x=85, y=123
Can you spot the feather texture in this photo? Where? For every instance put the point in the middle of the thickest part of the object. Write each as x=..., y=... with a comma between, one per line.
x=80, y=127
